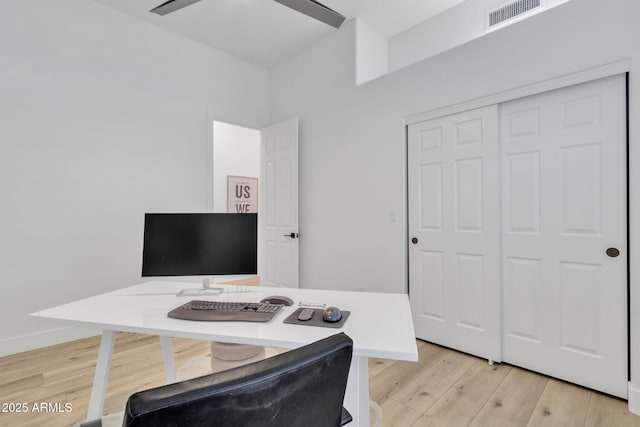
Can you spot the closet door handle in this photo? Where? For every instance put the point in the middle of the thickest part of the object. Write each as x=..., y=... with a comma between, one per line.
x=613, y=252
x=414, y=240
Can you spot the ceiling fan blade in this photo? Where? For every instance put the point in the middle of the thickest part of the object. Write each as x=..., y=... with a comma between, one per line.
x=172, y=6
x=315, y=10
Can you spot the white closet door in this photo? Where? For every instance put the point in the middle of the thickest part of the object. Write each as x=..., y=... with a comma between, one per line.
x=454, y=266
x=564, y=205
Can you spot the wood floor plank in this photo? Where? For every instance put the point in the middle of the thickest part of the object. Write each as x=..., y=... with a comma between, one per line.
x=49, y=391
x=561, y=404
x=462, y=402
x=389, y=381
x=378, y=365
x=396, y=414
x=514, y=401
x=32, y=362
x=434, y=381
x=16, y=386
x=607, y=411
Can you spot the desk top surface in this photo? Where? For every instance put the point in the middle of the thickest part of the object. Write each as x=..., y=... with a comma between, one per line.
x=380, y=324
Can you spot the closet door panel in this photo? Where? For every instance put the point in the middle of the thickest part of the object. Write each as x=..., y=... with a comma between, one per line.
x=564, y=204
x=453, y=220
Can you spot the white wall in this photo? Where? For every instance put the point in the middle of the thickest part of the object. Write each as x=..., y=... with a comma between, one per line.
x=462, y=23
x=351, y=169
x=353, y=137
x=102, y=118
x=236, y=151
x=372, y=56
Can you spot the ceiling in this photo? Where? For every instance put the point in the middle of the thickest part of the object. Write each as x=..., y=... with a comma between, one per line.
x=265, y=32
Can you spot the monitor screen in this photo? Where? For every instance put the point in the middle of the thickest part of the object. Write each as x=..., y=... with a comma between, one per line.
x=200, y=244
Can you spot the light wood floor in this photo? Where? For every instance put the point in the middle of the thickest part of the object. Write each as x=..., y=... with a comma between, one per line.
x=445, y=388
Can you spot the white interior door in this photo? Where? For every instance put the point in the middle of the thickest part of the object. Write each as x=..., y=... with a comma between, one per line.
x=564, y=204
x=454, y=256
x=278, y=217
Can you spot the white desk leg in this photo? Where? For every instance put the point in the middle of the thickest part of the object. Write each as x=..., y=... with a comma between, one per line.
x=169, y=361
x=356, y=399
x=101, y=376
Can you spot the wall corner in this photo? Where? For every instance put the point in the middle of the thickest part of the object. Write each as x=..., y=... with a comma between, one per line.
x=372, y=53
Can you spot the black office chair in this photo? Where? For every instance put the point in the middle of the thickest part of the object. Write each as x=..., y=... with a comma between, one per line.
x=302, y=387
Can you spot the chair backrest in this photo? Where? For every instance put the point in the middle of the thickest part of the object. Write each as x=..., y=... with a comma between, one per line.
x=302, y=387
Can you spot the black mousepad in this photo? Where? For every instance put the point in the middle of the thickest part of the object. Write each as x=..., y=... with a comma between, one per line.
x=316, y=320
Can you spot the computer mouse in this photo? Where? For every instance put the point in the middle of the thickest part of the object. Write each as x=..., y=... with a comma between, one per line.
x=332, y=315
x=278, y=299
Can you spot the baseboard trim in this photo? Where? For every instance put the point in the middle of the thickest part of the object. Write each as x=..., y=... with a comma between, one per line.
x=20, y=344
x=634, y=399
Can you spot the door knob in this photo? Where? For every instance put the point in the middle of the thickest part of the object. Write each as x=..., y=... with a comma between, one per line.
x=613, y=252
x=414, y=240
x=292, y=235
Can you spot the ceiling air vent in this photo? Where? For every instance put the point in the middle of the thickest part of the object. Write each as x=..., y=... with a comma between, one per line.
x=511, y=11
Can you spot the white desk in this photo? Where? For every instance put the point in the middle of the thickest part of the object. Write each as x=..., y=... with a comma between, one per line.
x=380, y=326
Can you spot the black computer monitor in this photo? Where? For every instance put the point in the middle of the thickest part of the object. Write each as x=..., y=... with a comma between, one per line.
x=200, y=244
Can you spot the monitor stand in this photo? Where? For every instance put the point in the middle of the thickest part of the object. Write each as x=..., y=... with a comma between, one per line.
x=206, y=289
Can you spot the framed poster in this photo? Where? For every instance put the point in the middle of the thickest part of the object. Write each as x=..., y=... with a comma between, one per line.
x=242, y=194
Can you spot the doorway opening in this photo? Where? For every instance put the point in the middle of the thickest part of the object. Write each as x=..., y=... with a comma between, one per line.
x=256, y=171
x=236, y=153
